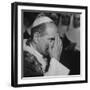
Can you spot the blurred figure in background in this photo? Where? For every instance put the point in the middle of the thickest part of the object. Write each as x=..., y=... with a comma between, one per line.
x=71, y=45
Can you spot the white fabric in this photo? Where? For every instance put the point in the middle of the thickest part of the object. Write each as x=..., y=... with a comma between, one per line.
x=41, y=20
x=31, y=50
x=56, y=68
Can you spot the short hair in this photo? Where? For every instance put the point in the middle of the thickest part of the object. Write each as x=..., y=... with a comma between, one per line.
x=40, y=28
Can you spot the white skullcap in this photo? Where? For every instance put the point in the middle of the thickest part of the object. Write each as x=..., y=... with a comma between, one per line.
x=41, y=20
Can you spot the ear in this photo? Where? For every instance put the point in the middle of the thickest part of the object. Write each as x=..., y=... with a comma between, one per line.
x=36, y=37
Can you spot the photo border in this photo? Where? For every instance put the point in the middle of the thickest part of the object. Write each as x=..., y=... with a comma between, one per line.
x=14, y=43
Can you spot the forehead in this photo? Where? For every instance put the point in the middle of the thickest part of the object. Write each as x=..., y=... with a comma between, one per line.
x=51, y=29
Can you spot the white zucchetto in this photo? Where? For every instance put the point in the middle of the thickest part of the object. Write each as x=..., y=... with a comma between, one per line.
x=41, y=20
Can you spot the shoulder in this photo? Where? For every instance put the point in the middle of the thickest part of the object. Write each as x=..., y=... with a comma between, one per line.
x=31, y=65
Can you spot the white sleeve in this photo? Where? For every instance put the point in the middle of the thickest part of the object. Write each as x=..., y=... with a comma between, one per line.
x=56, y=68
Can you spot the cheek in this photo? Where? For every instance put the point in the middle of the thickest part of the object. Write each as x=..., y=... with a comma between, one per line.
x=44, y=43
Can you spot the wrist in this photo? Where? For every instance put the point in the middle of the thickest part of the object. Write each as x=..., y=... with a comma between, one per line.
x=56, y=58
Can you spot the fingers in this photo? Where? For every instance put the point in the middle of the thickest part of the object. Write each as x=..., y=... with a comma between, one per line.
x=57, y=48
x=57, y=40
x=59, y=44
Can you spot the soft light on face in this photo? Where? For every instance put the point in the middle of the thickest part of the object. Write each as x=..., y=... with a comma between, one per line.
x=48, y=38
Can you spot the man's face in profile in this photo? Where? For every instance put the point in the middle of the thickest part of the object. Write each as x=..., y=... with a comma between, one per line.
x=48, y=38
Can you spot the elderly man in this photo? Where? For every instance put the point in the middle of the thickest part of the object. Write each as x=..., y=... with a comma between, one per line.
x=42, y=52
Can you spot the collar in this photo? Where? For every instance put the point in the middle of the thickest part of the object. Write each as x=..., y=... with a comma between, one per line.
x=36, y=52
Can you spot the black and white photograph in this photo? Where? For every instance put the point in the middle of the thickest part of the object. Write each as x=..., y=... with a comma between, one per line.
x=53, y=53
x=49, y=44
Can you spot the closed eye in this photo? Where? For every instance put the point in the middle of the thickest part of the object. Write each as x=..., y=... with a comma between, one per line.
x=52, y=39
